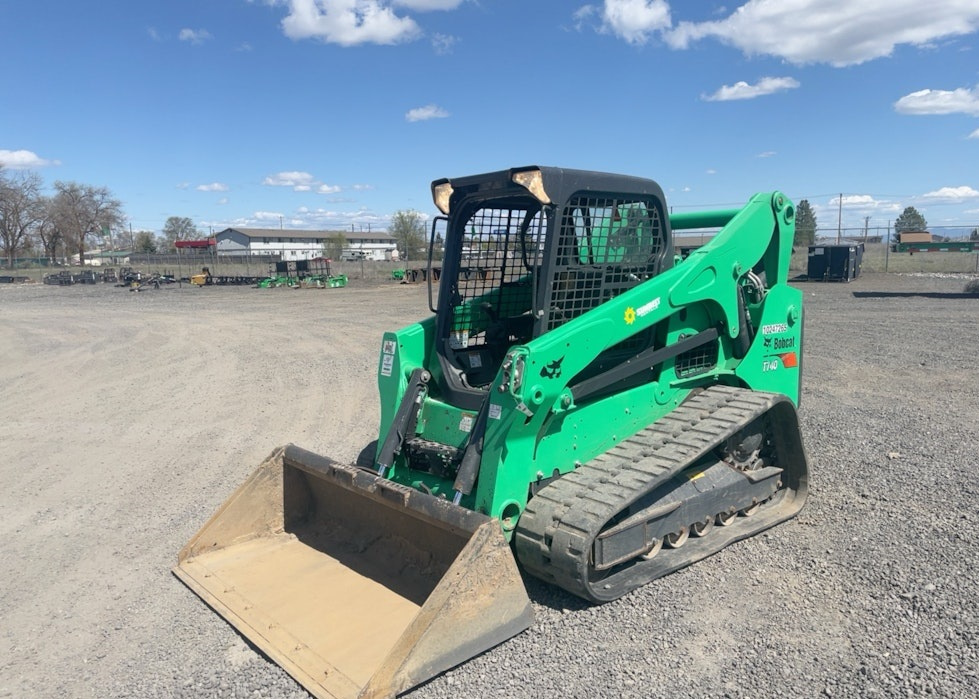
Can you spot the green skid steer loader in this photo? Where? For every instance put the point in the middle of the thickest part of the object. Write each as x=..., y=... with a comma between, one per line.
x=581, y=401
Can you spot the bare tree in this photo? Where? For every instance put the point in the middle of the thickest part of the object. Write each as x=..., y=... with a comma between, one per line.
x=334, y=244
x=408, y=229
x=177, y=228
x=20, y=211
x=81, y=211
x=47, y=231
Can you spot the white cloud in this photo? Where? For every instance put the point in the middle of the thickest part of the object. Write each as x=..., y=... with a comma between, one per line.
x=291, y=178
x=951, y=195
x=767, y=154
x=854, y=205
x=300, y=182
x=838, y=32
x=744, y=91
x=24, y=160
x=583, y=14
x=855, y=200
x=212, y=187
x=267, y=216
x=348, y=22
x=154, y=35
x=223, y=200
x=428, y=5
x=361, y=187
x=305, y=218
x=862, y=203
x=443, y=43
x=959, y=101
x=183, y=185
x=430, y=111
x=632, y=20
x=194, y=36
x=974, y=134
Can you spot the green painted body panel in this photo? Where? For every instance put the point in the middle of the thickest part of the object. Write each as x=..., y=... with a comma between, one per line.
x=535, y=429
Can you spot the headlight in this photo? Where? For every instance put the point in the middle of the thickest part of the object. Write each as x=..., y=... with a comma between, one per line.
x=533, y=182
x=441, y=193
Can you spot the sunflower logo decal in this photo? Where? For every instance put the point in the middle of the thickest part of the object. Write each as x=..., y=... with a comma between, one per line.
x=630, y=315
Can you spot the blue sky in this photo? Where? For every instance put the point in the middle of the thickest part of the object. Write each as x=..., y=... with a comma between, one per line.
x=336, y=113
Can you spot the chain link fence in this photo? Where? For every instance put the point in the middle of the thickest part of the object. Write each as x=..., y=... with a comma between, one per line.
x=877, y=256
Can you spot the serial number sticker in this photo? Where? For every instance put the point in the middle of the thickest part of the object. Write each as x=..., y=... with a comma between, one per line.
x=475, y=361
x=466, y=423
x=495, y=411
x=389, y=347
x=387, y=364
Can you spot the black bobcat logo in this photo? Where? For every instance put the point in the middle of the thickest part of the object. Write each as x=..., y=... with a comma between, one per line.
x=552, y=370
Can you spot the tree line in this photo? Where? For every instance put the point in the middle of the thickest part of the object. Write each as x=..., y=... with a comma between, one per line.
x=66, y=222
x=74, y=219
x=805, y=223
x=77, y=216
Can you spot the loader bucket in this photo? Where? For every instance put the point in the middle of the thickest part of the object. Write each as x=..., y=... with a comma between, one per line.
x=355, y=585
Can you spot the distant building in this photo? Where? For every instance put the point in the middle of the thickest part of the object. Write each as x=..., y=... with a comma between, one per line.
x=98, y=258
x=300, y=245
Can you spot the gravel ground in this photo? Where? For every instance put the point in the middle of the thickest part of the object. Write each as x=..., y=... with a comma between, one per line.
x=127, y=418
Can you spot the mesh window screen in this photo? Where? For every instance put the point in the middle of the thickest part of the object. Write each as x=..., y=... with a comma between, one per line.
x=500, y=255
x=605, y=246
x=696, y=361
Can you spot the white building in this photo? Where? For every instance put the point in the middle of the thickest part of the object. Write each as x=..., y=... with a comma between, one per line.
x=300, y=245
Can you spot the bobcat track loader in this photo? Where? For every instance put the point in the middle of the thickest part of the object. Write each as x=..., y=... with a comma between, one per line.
x=581, y=402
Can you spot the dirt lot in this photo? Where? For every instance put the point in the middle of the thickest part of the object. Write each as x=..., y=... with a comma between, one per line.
x=127, y=418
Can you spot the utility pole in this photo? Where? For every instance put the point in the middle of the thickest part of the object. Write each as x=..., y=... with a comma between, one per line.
x=839, y=221
x=887, y=247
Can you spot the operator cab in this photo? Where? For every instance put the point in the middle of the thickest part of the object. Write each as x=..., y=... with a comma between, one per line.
x=529, y=249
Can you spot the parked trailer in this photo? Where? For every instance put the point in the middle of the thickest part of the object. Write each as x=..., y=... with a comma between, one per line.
x=949, y=246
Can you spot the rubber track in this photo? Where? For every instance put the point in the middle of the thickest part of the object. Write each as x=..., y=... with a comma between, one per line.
x=555, y=534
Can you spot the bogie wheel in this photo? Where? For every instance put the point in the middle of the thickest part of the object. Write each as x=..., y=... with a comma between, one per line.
x=749, y=511
x=702, y=528
x=653, y=551
x=726, y=519
x=677, y=539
